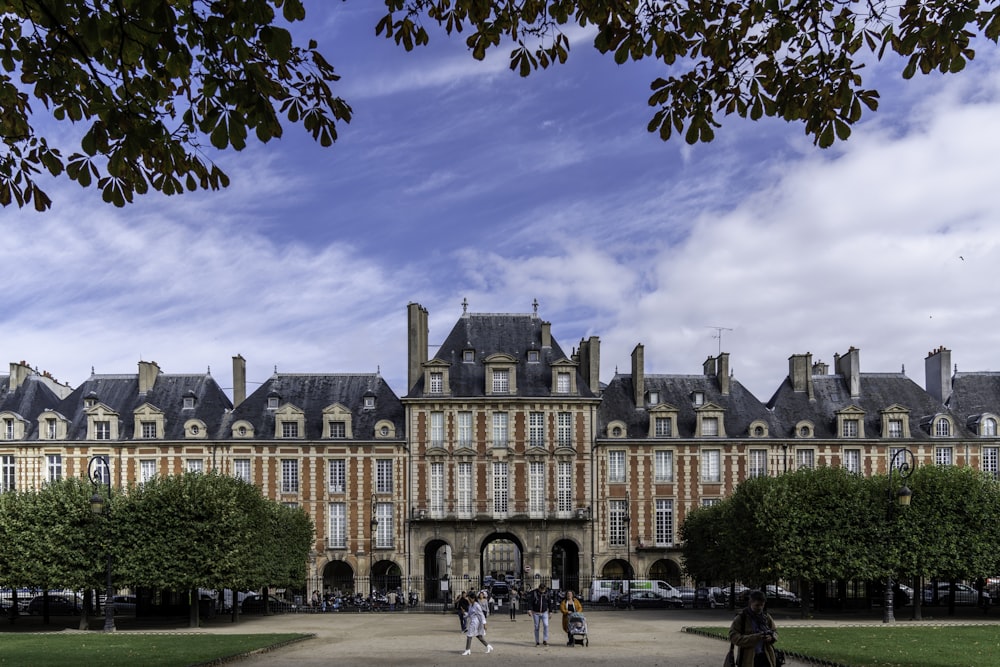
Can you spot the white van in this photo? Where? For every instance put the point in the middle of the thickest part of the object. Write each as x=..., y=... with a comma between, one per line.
x=605, y=590
x=657, y=586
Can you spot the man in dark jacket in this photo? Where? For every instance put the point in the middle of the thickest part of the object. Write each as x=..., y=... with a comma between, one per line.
x=539, y=606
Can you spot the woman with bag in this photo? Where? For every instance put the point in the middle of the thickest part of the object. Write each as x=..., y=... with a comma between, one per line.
x=753, y=632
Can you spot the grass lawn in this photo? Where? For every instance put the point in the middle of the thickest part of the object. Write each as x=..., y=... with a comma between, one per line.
x=128, y=650
x=894, y=646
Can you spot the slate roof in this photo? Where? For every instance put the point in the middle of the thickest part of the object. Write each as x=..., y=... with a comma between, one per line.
x=121, y=394
x=493, y=333
x=878, y=391
x=314, y=393
x=28, y=401
x=974, y=394
x=741, y=407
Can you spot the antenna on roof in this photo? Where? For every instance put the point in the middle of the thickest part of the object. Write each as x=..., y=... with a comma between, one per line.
x=465, y=305
x=534, y=305
x=718, y=334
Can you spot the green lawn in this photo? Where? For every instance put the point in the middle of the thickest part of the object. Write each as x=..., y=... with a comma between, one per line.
x=128, y=650
x=889, y=646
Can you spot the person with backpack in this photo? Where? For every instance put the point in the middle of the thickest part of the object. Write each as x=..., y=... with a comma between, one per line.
x=753, y=632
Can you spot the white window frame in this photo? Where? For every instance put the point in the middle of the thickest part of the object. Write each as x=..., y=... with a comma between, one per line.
x=944, y=456
x=895, y=428
x=385, y=535
x=617, y=510
x=338, y=429
x=564, y=486
x=289, y=429
x=463, y=488
x=536, y=429
x=501, y=381
x=241, y=469
x=437, y=429
x=805, y=458
x=383, y=475
x=942, y=428
x=465, y=428
x=336, y=475
x=148, y=430
x=851, y=428
x=664, y=522
x=8, y=473
x=436, y=382
x=664, y=427
x=564, y=429
x=501, y=431
x=711, y=465
x=289, y=475
x=991, y=461
x=616, y=466
x=758, y=463
x=501, y=489
x=194, y=465
x=562, y=382
x=102, y=429
x=436, y=487
x=663, y=466
x=337, y=536
x=53, y=464
x=709, y=427
x=147, y=470
x=852, y=460
x=536, y=489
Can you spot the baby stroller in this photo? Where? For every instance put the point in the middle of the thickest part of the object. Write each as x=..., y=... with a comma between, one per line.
x=578, y=628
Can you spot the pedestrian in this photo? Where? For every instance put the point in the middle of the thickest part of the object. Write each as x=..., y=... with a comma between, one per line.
x=462, y=608
x=568, y=606
x=513, y=604
x=391, y=598
x=476, y=626
x=753, y=631
x=540, y=606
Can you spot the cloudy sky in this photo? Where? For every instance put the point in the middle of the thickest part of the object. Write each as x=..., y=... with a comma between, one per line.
x=459, y=180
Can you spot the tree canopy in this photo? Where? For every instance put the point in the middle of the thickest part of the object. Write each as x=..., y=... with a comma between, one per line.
x=151, y=83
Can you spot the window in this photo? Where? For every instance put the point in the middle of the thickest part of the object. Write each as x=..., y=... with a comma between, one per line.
x=536, y=488
x=195, y=465
x=895, y=428
x=51, y=429
x=988, y=427
x=616, y=465
x=464, y=429
x=942, y=428
x=147, y=470
x=148, y=430
x=187, y=403
x=437, y=429
x=536, y=429
x=463, y=488
x=710, y=465
x=758, y=463
x=562, y=383
x=102, y=430
x=852, y=460
x=289, y=475
x=616, y=523
x=499, y=429
x=337, y=538
x=501, y=381
x=369, y=402
x=532, y=356
x=241, y=469
x=468, y=356
x=8, y=429
x=386, y=531
x=500, y=487
x=437, y=382
x=564, y=429
x=437, y=489
x=664, y=522
x=383, y=476
x=805, y=458
x=564, y=485
x=699, y=398
x=338, y=429
x=7, y=473
x=850, y=428
x=289, y=429
x=664, y=427
x=663, y=465
x=709, y=502
x=336, y=476
x=709, y=426
x=991, y=465
x=943, y=456
x=54, y=464
x=654, y=398
x=272, y=402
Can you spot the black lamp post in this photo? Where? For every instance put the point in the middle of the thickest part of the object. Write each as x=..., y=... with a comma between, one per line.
x=627, y=520
x=903, y=464
x=373, y=525
x=99, y=470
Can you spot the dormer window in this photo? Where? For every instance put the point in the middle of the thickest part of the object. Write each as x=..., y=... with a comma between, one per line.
x=90, y=400
x=851, y=422
x=988, y=427
x=501, y=381
x=758, y=429
x=942, y=428
x=290, y=422
x=699, y=398
x=533, y=356
x=369, y=401
x=804, y=429
x=272, y=402
x=436, y=382
x=562, y=383
x=195, y=428
x=189, y=401
x=654, y=398
x=468, y=356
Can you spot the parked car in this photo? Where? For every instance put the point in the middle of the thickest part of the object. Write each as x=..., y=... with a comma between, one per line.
x=59, y=605
x=500, y=592
x=781, y=596
x=124, y=604
x=254, y=604
x=646, y=599
x=964, y=594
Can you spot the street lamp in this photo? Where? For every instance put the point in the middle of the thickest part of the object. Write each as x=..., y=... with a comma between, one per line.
x=99, y=471
x=627, y=520
x=903, y=464
x=373, y=525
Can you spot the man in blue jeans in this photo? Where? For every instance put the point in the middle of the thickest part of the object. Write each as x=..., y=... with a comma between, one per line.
x=539, y=606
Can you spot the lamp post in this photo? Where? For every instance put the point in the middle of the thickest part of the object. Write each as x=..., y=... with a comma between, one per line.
x=373, y=527
x=627, y=520
x=903, y=464
x=99, y=471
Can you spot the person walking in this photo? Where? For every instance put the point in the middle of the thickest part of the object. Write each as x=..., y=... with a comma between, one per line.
x=512, y=603
x=568, y=606
x=753, y=631
x=476, y=624
x=462, y=603
x=538, y=610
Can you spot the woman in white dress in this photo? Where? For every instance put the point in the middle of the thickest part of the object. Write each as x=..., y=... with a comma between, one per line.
x=475, y=625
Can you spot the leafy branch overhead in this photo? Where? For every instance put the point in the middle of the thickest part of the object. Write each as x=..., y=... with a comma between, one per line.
x=799, y=60
x=147, y=82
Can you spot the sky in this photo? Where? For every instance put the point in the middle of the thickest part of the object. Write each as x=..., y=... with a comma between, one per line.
x=459, y=180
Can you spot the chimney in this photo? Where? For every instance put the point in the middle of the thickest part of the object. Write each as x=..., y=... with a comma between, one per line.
x=19, y=372
x=148, y=370
x=546, y=334
x=239, y=380
x=937, y=374
x=590, y=362
x=820, y=368
x=849, y=366
x=799, y=372
x=723, y=374
x=416, y=336
x=708, y=368
x=638, y=379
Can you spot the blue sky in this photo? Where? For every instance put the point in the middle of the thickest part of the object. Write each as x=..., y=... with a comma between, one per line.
x=458, y=180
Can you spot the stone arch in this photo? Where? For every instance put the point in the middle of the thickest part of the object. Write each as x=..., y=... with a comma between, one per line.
x=617, y=569
x=501, y=554
x=437, y=568
x=667, y=570
x=338, y=575
x=565, y=566
x=387, y=576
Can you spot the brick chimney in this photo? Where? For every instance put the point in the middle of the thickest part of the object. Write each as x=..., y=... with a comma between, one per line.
x=937, y=374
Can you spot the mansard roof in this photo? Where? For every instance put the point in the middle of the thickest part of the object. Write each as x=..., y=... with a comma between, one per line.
x=741, y=408
x=27, y=401
x=974, y=394
x=313, y=394
x=120, y=393
x=489, y=334
x=878, y=392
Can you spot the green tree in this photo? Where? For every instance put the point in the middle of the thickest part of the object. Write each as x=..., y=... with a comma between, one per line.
x=149, y=81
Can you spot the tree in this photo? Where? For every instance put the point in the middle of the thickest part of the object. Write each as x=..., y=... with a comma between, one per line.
x=799, y=60
x=150, y=80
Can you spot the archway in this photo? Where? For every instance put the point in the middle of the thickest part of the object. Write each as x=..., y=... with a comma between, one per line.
x=501, y=557
x=617, y=569
x=667, y=570
x=566, y=565
x=387, y=576
x=338, y=576
x=437, y=568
